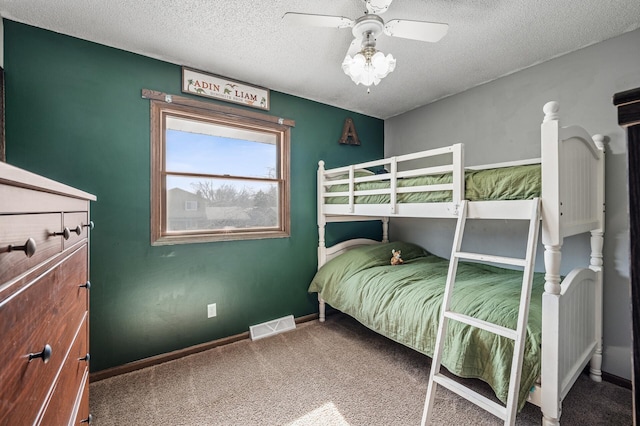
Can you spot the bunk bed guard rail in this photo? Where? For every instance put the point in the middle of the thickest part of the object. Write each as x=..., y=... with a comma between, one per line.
x=450, y=157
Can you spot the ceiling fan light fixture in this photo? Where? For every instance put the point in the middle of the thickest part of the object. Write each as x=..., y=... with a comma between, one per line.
x=383, y=65
x=367, y=67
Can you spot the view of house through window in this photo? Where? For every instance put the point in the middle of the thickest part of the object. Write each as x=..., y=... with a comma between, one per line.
x=220, y=179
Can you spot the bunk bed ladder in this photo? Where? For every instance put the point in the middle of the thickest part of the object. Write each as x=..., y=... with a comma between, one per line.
x=506, y=413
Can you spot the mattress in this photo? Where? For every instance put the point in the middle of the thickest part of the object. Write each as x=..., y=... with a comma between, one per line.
x=505, y=183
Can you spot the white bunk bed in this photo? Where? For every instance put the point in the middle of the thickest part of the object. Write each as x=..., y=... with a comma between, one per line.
x=572, y=199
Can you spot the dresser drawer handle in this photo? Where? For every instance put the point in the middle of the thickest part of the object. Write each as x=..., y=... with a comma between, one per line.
x=86, y=285
x=90, y=225
x=45, y=354
x=29, y=248
x=66, y=232
x=86, y=358
x=88, y=420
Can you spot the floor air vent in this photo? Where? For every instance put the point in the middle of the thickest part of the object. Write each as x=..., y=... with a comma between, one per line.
x=272, y=327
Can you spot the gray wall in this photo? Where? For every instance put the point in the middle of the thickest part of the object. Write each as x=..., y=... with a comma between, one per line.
x=500, y=121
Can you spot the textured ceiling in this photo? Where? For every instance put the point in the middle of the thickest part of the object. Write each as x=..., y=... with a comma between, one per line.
x=246, y=40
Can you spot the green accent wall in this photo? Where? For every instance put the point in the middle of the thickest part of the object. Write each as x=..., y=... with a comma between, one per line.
x=74, y=113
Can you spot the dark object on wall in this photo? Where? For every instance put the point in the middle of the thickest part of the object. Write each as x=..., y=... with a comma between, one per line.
x=628, y=104
x=3, y=155
x=349, y=134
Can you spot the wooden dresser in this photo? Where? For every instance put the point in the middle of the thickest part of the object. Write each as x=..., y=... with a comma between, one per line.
x=44, y=300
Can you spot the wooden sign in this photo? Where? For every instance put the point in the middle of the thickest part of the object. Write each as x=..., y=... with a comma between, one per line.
x=224, y=89
x=349, y=134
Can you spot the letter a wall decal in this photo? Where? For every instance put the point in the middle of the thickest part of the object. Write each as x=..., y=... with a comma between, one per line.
x=349, y=134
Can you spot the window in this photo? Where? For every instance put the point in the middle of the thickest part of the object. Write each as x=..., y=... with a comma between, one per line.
x=218, y=173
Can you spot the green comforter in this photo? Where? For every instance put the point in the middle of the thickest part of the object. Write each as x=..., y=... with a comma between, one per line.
x=507, y=183
x=403, y=303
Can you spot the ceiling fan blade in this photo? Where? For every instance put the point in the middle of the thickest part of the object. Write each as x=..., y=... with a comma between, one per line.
x=317, y=20
x=416, y=30
x=378, y=6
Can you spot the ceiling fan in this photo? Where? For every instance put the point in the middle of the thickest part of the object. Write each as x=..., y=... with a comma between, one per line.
x=363, y=63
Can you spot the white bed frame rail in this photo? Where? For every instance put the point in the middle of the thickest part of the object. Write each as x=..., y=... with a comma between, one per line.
x=572, y=203
x=451, y=156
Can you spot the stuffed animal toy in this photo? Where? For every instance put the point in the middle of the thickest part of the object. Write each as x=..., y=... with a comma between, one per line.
x=396, y=259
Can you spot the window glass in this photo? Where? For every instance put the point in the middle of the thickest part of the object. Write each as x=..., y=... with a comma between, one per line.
x=197, y=147
x=226, y=204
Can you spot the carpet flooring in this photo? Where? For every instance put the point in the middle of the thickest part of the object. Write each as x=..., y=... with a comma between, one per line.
x=334, y=374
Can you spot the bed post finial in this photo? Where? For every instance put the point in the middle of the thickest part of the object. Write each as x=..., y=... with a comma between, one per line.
x=551, y=111
x=599, y=141
x=321, y=164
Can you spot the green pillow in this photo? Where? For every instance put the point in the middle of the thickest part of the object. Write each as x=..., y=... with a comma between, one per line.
x=361, y=258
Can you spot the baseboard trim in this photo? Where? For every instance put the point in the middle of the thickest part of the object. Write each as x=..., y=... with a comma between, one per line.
x=616, y=380
x=170, y=356
x=611, y=378
x=159, y=359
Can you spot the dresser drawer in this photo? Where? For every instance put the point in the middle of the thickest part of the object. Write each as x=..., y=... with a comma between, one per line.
x=76, y=224
x=47, y=311
x=83, y=416
x=62, y=409
x=25, y=200
x=16, y=230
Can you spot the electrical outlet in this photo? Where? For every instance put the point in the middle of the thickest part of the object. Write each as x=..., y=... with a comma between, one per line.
x=211, y=310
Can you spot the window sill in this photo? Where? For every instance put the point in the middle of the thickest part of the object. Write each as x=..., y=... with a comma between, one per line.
x=200, y=238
